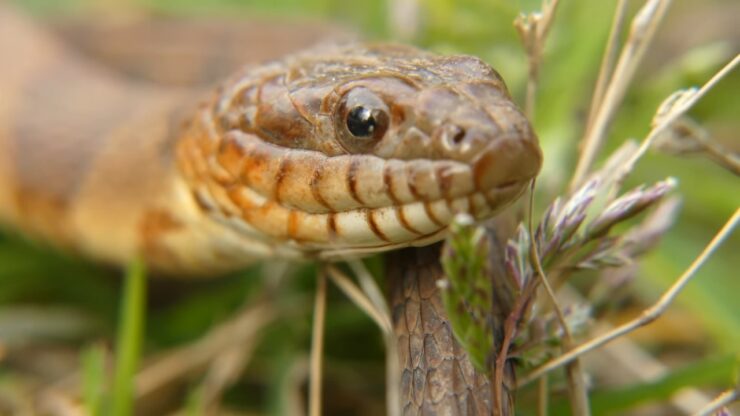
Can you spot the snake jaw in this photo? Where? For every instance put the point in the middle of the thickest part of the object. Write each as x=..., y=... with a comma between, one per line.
x=341, y=205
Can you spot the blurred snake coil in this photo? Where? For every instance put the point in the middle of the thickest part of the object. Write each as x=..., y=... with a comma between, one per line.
x=330, y=153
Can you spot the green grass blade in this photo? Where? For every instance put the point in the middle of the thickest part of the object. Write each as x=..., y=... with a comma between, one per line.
x=93, y=379
x=195, y=402
x=130, y=334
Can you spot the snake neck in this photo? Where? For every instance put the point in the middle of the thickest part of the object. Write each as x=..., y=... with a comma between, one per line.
x=87, y=156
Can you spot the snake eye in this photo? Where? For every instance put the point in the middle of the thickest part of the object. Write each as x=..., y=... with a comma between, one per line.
x=364, y=120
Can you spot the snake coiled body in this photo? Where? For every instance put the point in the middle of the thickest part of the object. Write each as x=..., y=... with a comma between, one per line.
x=336, y=152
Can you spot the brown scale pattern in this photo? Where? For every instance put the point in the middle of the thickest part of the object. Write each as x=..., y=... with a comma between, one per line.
x=438, y=378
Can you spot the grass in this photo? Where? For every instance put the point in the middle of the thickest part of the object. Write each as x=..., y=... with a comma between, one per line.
x=32, y=275
x=129, y=339
x=719, y=370
x=116, y=397
x=94, y=379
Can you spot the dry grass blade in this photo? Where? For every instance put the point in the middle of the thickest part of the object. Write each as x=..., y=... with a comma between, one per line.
x=343, y=282
x=644, y=25
x=59, y=404
x=377, y=310
x=543, y=394
x=533, y=29
x=687, y=136
x=404, y=18
x=724, y=399
x=392, y=366
x=631, y=359
x=607, y=62
x=240, y=332
x=369, y=286
x=648, y=315
x=392, y=377
x=224, y=372
x=676, y=106
x=722, y=156
x=185, y=360
x=317, y=345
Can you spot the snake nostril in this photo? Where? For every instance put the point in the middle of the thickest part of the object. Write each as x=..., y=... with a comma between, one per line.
x=459, y=136
x=456, y=140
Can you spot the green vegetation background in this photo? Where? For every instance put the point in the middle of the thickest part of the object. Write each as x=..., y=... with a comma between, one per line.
x=33, y=275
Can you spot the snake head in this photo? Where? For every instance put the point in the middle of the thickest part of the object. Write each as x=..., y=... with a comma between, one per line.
x=356, y=149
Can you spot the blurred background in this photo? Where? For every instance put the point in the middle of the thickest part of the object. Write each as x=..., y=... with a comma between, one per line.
x=56, y=311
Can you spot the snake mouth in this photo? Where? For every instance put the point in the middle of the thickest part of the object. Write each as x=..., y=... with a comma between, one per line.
x=364, y=231
x=492, y=180
x=414, y=224
x=332, y=206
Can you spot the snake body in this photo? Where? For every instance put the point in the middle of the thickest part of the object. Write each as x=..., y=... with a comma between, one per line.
x=336, y=152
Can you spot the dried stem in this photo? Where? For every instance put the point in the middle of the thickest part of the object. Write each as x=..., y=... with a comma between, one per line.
x=680, y=106
x=533, y=30
x=223, y=372
x=392, y=361
x=543, y=392
x=722, y=156
x=548, y=14
x=369, y=286
x=607, y=61
x=648, y=315
x=510, y=326
x=576, y=386
x=686, y=136
x=373, y=304
x=392, y=377
x=229, y=363
x=355, y=294
x=317, y=345
x=634, y=360
x=179, y=362
x=404, y=18
x=724, y=399
x=643, y=27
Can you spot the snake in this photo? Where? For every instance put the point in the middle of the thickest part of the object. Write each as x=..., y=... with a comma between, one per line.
x=333, y=152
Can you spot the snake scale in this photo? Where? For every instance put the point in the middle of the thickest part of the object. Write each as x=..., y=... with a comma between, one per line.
x=335, y=152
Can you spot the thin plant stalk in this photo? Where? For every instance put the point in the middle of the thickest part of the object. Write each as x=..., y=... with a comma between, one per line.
x=392, y=366
x=549, y=7
x=360, y=299
x=724, y=399
x=533, y=30
x=543, y=393
x=644, y=25
x=680, y=108
x=510, y=325
x=404, y=18
x=648, y=315
x=722, y=156
x=392, y=377
x=607, y=61
x=224, y=372
x=317, y=345
x=576, y=386
x=637, y=362
x=192, y=357
x=369, y=286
